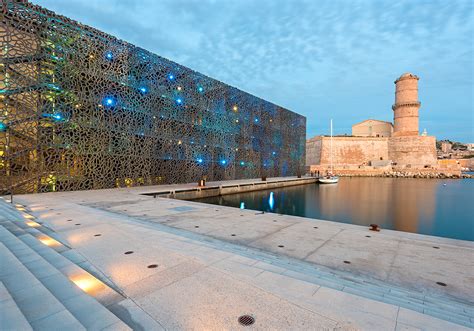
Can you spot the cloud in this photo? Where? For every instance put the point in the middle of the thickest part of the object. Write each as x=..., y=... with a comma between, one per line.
x=323, y=59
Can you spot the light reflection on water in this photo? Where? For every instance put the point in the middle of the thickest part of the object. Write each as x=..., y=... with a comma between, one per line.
x=442, y=207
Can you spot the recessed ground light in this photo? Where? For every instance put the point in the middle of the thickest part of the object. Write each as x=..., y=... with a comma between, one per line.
x=97, y=235
x=441, y=283
x=435, y=247
x=152, y=266
x=281, y=246
x=246, y=320
x=347, y=262
x=128, y=252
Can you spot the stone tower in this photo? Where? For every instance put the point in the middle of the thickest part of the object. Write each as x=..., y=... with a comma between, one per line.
x=405, y=109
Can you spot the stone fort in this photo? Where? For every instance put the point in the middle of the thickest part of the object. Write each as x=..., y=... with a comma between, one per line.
x=379, y=144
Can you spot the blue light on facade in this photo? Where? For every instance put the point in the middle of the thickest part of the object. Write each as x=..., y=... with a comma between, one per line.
x=200, y=89
x=179, y=101
x=273, y=153
x=57, y=117
x=109, y=101
x=109, y=55
x=199, y=160
x=223, y=162
x=170, y=76
x=54, y=116
x=143, y=89
x=256, y=120
x=242, y=163
x=3, y=127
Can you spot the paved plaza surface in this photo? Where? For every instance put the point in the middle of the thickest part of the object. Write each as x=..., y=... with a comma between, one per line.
x=197, y=266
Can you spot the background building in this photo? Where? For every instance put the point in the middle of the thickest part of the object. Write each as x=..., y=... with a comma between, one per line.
x=81, y=109
x=378, y=143
x=372, y=128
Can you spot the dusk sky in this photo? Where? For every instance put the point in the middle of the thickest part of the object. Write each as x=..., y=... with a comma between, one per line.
x=323, y=59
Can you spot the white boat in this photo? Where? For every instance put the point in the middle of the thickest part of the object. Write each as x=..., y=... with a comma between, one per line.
x=329, y=178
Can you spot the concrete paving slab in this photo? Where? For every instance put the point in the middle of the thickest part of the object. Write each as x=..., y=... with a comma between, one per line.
x=58, y=321
x=429, y=265
x=417, y=320
x=210, y=291
x=359, y=314
x=11, y=317
x=175, y=295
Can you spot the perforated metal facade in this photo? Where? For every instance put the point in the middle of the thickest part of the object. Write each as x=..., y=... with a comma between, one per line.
x=81, y=109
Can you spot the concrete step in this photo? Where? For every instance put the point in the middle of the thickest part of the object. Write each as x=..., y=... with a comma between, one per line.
x=389, y=294
x=438, y=306
x=11, y=316
x=41, y=308
x=19, y=226
x=89, y=312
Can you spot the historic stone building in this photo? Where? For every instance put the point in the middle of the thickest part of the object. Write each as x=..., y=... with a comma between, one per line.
x=372, y=128
x=378, y=143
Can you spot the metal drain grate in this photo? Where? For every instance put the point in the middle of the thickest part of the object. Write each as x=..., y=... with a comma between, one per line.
x=281, y=246
x=315, y=227
x=347, y=262
x=246, y=320
x=435, y=247
x=128, y=252
x=97, y=235
x=152, y=266
x=441, y=283
x=77, y=224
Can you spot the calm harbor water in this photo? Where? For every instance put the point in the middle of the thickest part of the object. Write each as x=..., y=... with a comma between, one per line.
x=443, y=207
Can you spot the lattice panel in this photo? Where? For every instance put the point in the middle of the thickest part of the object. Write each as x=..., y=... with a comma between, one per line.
x=81, y=110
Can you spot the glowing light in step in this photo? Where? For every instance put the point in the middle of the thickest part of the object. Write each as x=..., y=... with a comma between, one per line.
x=33, y=224
x=87, y=282
x=48, y=241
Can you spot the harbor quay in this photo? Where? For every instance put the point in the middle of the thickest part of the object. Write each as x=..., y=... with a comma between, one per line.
x=144, y=261
x=137, y=193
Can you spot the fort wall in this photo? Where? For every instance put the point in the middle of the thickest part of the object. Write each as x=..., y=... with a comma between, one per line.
x=413, y=151
x=346, y=150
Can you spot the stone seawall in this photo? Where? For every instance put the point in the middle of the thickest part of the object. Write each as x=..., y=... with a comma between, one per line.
x=191, y=193
x=390, y=172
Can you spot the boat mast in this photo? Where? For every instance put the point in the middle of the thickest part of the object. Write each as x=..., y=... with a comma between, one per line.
x=330, y=150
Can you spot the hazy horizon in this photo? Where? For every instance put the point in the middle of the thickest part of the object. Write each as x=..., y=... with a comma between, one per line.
x=321, y=59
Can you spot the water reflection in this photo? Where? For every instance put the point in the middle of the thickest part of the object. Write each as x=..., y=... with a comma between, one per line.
x=429, y=206
x=271, y=201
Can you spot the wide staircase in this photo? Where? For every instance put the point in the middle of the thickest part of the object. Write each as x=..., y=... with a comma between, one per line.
x=45, y=285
